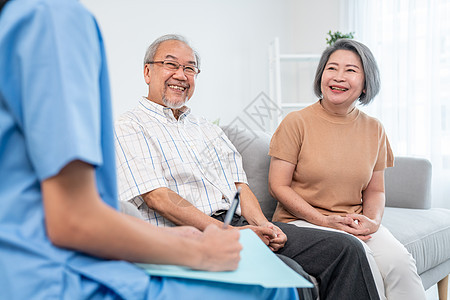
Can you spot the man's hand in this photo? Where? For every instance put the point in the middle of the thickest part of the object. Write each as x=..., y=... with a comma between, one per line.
x=270, y=234
x=280, y=238
x=220, y=249
x=265, y=234
x=279, y=241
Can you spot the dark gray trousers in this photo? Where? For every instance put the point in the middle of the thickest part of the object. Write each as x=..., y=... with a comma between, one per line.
x=337, y=261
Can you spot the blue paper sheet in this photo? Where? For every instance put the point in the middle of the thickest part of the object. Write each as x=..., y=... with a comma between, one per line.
x=258, y=266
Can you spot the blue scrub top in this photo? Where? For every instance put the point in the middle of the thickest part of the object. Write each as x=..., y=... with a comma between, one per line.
x=55, y=108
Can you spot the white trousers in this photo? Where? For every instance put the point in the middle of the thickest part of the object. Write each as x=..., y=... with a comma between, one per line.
x=393, y=267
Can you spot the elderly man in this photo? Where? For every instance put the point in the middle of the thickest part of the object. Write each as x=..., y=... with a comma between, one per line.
x=60, y=234
x=179, y=169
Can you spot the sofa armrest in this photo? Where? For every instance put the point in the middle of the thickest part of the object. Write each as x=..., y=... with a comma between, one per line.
x=408, y=183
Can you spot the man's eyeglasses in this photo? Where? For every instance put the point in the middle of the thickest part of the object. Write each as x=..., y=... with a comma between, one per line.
x=174, y=66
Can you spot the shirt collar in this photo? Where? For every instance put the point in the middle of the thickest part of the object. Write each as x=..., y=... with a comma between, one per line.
x=161, y=112
x=345, y=119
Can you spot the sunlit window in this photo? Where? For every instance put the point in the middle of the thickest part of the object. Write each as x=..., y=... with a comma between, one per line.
x=411, y=42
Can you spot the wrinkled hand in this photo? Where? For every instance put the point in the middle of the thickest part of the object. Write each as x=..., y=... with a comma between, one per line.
x=280, y=238
x=363, y=222
x=266, y=234
x=220, y=249
x=270, y=234
x=347, y=224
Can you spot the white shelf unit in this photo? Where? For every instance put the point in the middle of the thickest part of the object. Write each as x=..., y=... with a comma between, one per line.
x=275, y=84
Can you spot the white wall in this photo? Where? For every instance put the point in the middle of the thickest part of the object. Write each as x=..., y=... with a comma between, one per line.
x=231, y=36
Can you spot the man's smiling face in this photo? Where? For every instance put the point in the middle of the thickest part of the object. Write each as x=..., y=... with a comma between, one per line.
x=171, y=88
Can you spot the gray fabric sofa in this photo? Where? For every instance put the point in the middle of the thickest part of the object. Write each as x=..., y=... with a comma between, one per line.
x=424, y=231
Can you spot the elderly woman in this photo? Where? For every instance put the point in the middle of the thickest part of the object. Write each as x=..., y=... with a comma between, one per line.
x=328, y=161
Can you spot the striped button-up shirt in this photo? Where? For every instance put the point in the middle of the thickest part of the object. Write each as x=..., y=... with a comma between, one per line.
x=190, y=156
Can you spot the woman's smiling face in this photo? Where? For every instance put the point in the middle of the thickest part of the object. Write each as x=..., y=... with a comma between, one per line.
x=342, y=79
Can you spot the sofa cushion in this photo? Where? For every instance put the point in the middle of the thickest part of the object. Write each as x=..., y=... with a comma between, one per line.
x=424, y=232
x=254, y=147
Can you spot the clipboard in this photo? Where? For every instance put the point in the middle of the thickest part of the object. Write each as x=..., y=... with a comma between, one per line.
x=258, y=266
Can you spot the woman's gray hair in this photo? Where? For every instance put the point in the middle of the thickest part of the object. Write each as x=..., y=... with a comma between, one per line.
x=371, y=72
x=151, y=50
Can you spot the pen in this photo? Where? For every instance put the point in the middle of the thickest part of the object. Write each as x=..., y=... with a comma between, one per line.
x=230, y=213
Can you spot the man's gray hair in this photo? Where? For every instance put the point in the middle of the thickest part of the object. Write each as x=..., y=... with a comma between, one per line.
x=371, y=72
x=151, y=50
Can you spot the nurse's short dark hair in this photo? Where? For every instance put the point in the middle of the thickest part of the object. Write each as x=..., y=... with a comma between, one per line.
x=371, y=72
x=151, y=50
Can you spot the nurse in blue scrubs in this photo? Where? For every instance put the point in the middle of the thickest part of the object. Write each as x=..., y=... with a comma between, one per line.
x=60, y=234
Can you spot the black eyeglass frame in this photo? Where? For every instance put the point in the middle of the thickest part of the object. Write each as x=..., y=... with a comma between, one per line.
x=166, y=63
